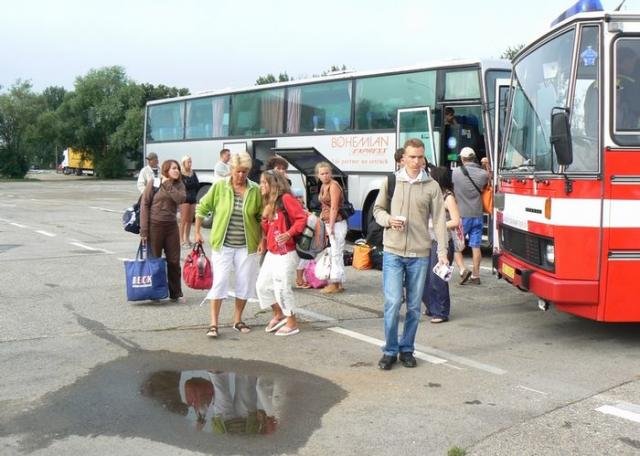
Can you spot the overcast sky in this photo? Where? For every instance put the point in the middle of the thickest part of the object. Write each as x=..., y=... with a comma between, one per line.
x=216, y=44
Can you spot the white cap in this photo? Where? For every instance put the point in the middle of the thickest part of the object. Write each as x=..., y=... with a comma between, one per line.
x=467, y=152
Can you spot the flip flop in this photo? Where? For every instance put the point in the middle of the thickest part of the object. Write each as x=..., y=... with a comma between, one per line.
x=271, y=327
x=213, y=331
x=285, y=331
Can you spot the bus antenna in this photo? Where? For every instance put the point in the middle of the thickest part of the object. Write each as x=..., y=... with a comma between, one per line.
x=620, y=5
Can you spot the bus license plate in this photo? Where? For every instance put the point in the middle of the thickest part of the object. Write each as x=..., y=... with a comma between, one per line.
x=508, y=271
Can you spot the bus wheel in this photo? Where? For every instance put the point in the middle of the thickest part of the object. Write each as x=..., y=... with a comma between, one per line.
x=208, y=220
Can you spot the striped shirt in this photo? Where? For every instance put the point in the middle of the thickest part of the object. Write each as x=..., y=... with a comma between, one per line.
x=235, y=231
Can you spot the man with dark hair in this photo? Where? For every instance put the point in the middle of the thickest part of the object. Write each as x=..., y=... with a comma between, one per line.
x=278, y=163
x=398, y=157
x=450, y=116
x=407, y=246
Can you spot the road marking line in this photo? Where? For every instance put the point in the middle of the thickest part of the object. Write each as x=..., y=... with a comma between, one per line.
x=18, y=225
x=629, y=412
x=486, y=268
x=45, y=233
x=103, y=209
x=93, y=249
x=379, y=343
x=462, y=360
x=533, y=390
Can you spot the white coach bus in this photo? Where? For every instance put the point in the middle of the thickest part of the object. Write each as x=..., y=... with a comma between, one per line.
x=354, y=120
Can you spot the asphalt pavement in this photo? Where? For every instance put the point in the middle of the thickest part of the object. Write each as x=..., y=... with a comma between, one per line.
x=86, y=372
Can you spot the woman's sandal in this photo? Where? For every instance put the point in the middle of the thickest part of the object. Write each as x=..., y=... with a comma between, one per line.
x=303, y=285
x=241, y=327
x=213, y=331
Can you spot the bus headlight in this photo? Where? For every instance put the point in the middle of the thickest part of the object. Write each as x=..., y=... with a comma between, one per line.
x=550, y=254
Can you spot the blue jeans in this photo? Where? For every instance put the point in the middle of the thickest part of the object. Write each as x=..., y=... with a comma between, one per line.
x=397, y=273
x=435, y=295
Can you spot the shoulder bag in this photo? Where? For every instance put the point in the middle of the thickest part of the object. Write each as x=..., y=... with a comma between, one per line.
x=196, y=271
x=486, y=195
x=146, y=276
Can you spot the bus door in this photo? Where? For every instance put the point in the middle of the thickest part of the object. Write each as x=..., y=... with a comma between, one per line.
x=416, y=123
x=462, y=127
x=503, y=86
x=304, y=160
x=261, y=154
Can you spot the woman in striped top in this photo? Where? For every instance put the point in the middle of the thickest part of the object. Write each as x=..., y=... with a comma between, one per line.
x=236, y=205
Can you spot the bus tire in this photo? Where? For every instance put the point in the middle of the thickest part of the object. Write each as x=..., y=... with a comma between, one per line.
x=208, y=220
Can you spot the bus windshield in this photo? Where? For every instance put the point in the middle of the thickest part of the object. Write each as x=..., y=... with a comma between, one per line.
x=541, y=83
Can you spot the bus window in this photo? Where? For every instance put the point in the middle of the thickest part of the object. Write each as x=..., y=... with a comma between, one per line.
x=585, y=110
x=541, y=84
x=378, y=98
x=319, y=107
x=627, y=74
x=461, y=84
x=199, y=118
x=165, y=122
x=257, y=113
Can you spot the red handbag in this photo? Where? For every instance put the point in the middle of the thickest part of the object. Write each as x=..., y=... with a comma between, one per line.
x=196, y=271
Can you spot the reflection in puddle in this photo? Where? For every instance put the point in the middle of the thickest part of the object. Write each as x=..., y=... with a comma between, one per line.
x=217, y=402
x=168, y=397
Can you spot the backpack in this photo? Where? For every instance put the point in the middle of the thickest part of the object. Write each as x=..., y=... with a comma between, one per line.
x=375, y=231
x=313, y=239
x=131, y=215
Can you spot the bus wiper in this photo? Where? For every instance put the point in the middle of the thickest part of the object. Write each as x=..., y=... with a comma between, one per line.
x=526, y=166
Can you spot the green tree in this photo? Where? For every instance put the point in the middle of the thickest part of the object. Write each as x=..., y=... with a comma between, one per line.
x=95, y=110
x=511, y=52
x=151, y=92
x=270, y=78
x=19, y=108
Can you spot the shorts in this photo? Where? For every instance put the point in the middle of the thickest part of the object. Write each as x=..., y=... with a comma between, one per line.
x=472, y=227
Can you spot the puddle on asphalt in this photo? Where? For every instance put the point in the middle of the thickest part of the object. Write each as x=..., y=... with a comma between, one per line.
x=198, y=403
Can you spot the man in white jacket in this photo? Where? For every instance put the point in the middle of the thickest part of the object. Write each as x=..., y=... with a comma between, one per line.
x=149, y=172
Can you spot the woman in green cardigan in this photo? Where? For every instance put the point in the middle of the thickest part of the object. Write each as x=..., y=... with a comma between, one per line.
x=236, y=205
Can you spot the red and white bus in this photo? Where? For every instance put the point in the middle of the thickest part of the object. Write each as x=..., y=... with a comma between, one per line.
x=568, y=199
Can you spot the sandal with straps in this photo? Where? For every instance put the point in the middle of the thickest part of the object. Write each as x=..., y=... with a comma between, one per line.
x=302, y=284
x=213, y=331
x=241, y=327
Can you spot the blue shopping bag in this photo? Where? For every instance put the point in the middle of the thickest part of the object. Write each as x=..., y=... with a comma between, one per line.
x=146, y=276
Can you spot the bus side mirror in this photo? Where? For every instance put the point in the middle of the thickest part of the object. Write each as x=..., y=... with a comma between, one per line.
x=561, y=137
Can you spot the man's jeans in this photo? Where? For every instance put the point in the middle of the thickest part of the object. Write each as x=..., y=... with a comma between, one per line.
x=397, y=273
